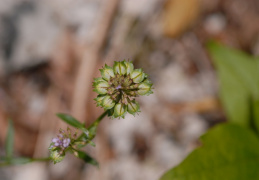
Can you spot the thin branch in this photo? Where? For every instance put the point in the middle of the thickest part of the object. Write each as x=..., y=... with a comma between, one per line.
x=89, y=62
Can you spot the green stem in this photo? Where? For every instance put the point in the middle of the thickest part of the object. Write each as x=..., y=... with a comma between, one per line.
x=98, y=120
x=22, y=160
x=94, y=124
x=41, y=159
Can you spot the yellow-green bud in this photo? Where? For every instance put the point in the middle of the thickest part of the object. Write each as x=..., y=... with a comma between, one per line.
x=119, y=68
x=129, y=67
x=101, y=87
x=133, y=107
x=107, y=72
x=144, y=88
x=119, y=110
x=96, y=80
x=107, y=102
x=137, y=75
x=99, y=100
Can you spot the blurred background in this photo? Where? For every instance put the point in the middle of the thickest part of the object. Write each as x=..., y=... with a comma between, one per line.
x=50, y=50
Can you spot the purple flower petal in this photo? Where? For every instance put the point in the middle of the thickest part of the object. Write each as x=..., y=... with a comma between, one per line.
x=55, y=140
x=66, y=142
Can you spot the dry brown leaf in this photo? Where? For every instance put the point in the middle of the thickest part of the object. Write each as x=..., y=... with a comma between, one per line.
x=203, y=105
x=179, y=15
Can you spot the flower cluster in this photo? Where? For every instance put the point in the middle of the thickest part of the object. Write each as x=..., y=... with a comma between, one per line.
x=119, y=86
x=60, y=144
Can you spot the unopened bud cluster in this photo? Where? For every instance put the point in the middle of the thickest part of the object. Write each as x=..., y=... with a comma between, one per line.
x=119, y=86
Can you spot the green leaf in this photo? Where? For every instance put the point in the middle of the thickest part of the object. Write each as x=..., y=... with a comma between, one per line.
x=242, y=65
x=88, y=159
x=255, y=111
x=234, y=97
x=239, y=81
x=228, y=152
x=71, y=121
x=9, y=140
x=256, y=103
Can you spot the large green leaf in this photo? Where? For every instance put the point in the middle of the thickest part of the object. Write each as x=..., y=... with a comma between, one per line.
x=228, y=152
x=255, y=111
x=239, y=82
x=9, y=140
x=255, y=101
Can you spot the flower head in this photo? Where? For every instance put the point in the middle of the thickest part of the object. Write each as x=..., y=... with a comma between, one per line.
x=59, y=145
x=61, y=141
x=119, y=86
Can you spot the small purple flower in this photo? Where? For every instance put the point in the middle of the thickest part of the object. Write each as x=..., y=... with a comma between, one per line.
x=118, y=87
x=55, y=141
x=66, y=142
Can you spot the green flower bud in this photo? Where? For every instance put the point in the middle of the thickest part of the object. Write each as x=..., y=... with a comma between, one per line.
x=144, y=88
x=137, y=75
x=119, y=68
x=99, y=100
x=96, y=80
x=107, y=102
x=107, y=72
x=133, y=107
x=101, y=87
x=119, y=110
x=57, y=155
x=129, y=67
x=147, y=81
